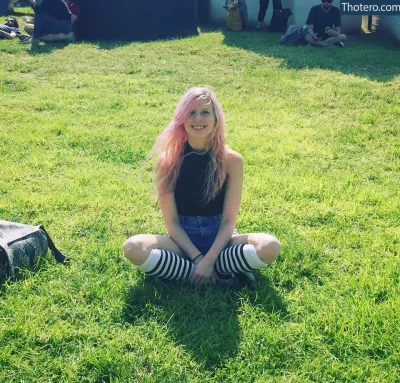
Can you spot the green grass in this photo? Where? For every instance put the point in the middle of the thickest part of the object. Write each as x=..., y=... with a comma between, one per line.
x=319, y=132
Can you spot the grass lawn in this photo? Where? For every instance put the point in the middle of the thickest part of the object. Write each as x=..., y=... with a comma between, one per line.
x=319, y=132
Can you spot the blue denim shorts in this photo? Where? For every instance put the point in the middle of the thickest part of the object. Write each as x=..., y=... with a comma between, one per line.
x=202, y=231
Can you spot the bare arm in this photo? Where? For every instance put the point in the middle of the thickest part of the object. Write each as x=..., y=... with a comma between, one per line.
x=311, y=32
x=204, y=272
x=8, y=35
x=230, y=212
x=171, y=219
x=170, y=215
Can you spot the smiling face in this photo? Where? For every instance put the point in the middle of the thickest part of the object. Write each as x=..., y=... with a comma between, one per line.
x=201, y=121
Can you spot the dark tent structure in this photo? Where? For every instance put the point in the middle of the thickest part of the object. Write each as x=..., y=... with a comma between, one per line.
x=137, y=19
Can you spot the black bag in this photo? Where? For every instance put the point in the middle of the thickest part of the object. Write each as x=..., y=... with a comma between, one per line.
x=22, y=246
x=280, y=17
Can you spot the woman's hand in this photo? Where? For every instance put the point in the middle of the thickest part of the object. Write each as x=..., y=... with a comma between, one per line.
x=203, y=272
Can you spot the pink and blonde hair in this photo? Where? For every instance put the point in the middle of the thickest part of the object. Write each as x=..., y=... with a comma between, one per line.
x=171, y=145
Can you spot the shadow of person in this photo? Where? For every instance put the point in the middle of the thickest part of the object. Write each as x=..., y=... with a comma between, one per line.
x=202, y=319
x=46, y=48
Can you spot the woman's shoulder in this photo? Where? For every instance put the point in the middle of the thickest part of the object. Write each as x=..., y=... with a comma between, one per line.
x=232, y=155
x=233, y=159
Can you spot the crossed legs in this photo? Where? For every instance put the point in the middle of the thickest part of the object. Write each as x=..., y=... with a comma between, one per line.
x=160, y=256
x=329, y=42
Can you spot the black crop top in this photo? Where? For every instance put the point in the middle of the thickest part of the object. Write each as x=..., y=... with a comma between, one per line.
x=190, y=185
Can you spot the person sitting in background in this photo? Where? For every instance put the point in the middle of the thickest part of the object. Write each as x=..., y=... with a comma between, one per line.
x=75, y=10
x=10, y=29
x=324, y=22
x=53, y=22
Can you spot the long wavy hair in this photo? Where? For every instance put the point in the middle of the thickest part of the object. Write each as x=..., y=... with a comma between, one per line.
x=170, y=146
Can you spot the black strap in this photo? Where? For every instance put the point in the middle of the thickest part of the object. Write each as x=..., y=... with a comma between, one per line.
x=60, y=257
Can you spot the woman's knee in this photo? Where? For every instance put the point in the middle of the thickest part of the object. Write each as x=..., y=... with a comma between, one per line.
x=135, y=248
x=29, y=29
x=267, y=247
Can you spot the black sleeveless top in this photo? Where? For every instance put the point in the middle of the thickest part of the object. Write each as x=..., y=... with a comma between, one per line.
x=190, y=186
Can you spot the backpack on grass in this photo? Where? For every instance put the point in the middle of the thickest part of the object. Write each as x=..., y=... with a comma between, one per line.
x=233, y=19
x=295, y=36
x=21, y=246
x=280, y=17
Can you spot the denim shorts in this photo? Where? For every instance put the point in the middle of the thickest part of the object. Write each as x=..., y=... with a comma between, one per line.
x=202, y=231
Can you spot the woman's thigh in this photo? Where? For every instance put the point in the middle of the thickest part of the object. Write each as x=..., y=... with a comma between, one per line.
x=266, y=245
x=165, y=242
x=138, y=247
x=250, y=238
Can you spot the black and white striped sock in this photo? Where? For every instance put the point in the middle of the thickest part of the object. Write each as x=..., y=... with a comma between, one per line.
x=238, y=259
x=166, y=265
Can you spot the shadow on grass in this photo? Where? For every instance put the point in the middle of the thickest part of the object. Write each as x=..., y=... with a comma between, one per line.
x=49, y=47
x=373, y=56
x=202, y=319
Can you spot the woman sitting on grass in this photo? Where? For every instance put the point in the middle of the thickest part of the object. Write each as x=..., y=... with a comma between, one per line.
x=199, y=183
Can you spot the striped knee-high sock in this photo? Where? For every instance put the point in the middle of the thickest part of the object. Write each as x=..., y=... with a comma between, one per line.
x=166, y=265
x=238, y=259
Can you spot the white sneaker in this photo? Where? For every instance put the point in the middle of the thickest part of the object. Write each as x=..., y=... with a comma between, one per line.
x=259, y=25
x=290, y=30
x=26, y=41
x=71, y=37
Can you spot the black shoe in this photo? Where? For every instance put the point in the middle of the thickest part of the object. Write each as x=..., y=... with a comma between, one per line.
x=340, y=44
x=227, y=280
x=246, y=278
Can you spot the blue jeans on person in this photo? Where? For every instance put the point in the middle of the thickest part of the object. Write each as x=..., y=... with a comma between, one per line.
x=46, y=24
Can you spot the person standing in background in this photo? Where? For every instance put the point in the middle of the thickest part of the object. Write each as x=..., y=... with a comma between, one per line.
x=261, y=13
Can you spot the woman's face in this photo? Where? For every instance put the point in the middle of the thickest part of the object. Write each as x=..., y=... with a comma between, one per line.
x=201, y=121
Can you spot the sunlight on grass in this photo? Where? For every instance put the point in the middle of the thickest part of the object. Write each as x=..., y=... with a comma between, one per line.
x=319, y=133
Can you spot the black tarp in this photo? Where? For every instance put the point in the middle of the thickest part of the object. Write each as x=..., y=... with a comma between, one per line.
x=137, y=20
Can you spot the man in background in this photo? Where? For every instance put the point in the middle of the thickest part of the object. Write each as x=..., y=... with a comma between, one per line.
x=324, y=23
x=10, y=29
